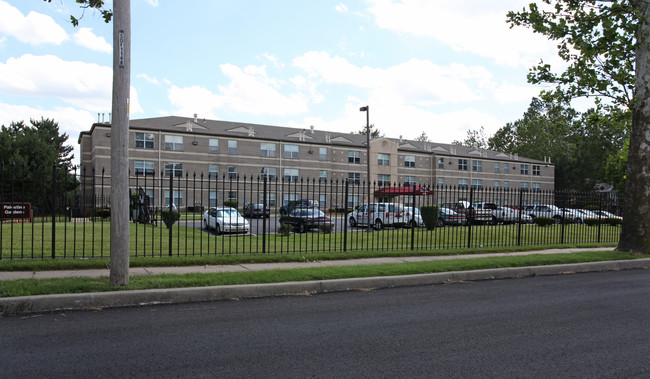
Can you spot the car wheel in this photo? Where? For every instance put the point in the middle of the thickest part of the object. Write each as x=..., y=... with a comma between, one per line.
x=217, y=229
x=353, y=222
x=378, y=224
x=205, y=225
x=301, y=228
x=441, y=223
x=412, y=224
x=495, y=221
x=558, y=219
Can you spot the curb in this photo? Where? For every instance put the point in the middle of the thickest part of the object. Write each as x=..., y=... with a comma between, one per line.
x=114, y=299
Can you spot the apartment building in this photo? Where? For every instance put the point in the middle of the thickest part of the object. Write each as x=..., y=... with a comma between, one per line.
x=179, y=146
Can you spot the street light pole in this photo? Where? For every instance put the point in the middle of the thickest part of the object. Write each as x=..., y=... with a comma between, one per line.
x=367, y=110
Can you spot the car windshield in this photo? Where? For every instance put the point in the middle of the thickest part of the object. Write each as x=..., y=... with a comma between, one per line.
x=227, y=213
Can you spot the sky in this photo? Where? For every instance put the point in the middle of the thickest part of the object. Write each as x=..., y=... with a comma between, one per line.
x=438, y=67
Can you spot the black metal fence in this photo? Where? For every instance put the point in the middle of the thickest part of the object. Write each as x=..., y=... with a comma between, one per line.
x=51, y=214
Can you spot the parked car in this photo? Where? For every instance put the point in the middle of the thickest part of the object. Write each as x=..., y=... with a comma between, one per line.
x=545, y=210
x=573, y=214
x=588, y=214
x=508, y=215
x=256, y=210
x=305, y=219
x=414, y=217
x=448, y=216
x=606, y=214
x=379, y=215
x=225, y=220
x=298, y=204
x=473, y=215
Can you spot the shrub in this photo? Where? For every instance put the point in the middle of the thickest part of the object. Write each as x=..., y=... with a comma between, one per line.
x=285, y=230
x=103, y=212
x=544, y=221
x=230, y=203
x=613, y=221
x=591, y=221
x=429, y=216
x=169, y=217
x=326, y=228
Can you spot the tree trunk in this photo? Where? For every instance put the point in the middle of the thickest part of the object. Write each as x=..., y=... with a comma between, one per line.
x=635, y=234
x=120, y=143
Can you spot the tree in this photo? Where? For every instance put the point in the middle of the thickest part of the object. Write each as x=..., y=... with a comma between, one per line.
x=606, y=47
x=475, y=138
x=374, y=132
x=423, y=137
x=107, y=14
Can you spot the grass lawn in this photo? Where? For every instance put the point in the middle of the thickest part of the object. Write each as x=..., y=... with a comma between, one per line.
x=26, y=287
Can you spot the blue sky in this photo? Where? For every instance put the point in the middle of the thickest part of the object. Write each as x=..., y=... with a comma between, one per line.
x=439, y=67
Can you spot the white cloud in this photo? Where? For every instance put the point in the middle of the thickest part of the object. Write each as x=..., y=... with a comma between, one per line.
x=86, y=38
x=153, y=3
x=85, y=85
x=250, y=90
x=466, y=26
x=149, y=79
x=35, y=28
x=342, y=8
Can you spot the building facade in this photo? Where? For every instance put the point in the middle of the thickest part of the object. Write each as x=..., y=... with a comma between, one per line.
x=173, y=147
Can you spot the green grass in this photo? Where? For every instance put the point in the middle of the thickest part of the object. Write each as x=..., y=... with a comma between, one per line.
x=26, y=287
x=92, y=240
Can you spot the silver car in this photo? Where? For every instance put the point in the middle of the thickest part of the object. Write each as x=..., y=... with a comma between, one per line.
x=225, y=220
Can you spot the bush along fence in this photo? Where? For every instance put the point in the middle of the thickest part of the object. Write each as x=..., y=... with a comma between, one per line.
x=50, y=214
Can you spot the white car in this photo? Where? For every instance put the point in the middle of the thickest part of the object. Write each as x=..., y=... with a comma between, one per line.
x=414, y=220
x=225, y=220
x=379, y=215
x=508, y=215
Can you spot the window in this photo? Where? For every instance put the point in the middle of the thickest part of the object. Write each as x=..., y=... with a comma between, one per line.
x=383, y=159
x=177, y=200
x=409, y=181
x=524, y=185
x=524, y=169
x=441, y=182
x=213, y=200
x=144, y=140
x=213, y=171
x=232, y=195
x=232, y=147
x=506, y=168
x=383, y=180
x=143, y=168
x=291, y=175
x=267, y=150
x=354, y=157
x=269, y=173
x=462, y=164
x=322, y=153
x=213, y=145
x=270, y=199
x=441, y=162
x=409, y=161
x=322, y=177
x=497, y=167
x=462, y=184
x=354, y=178
x=496, y=184
x=477, y=166
x=506, y=184
x=537, y=187
x=232, y=172
x=291, y=151
x=173, y=169
x=353, y=201
x=174, y=143
x=477, y=184
x=322, y=201
x=537, y=170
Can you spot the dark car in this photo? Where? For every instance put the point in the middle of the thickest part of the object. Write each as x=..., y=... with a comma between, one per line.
x=298, y=204
x=256, y=210
x=447, y=216
x=305, y=219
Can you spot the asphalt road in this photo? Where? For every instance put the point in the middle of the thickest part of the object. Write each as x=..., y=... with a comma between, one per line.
x=581, y=325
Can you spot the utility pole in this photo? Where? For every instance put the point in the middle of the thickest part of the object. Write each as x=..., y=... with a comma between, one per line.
x=119, y=275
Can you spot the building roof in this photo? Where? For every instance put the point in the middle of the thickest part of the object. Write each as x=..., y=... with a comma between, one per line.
x=218, y=128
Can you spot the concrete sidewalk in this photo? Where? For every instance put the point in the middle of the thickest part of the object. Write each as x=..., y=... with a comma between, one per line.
x=45, y=303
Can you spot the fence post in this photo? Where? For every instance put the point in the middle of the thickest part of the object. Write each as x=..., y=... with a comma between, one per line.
x=413, y=218
x=521, y=210
x=264, y=202
x=470, y=214
x=53, y=210
x=170, y=209
x=600, y=208
x=345, y=215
